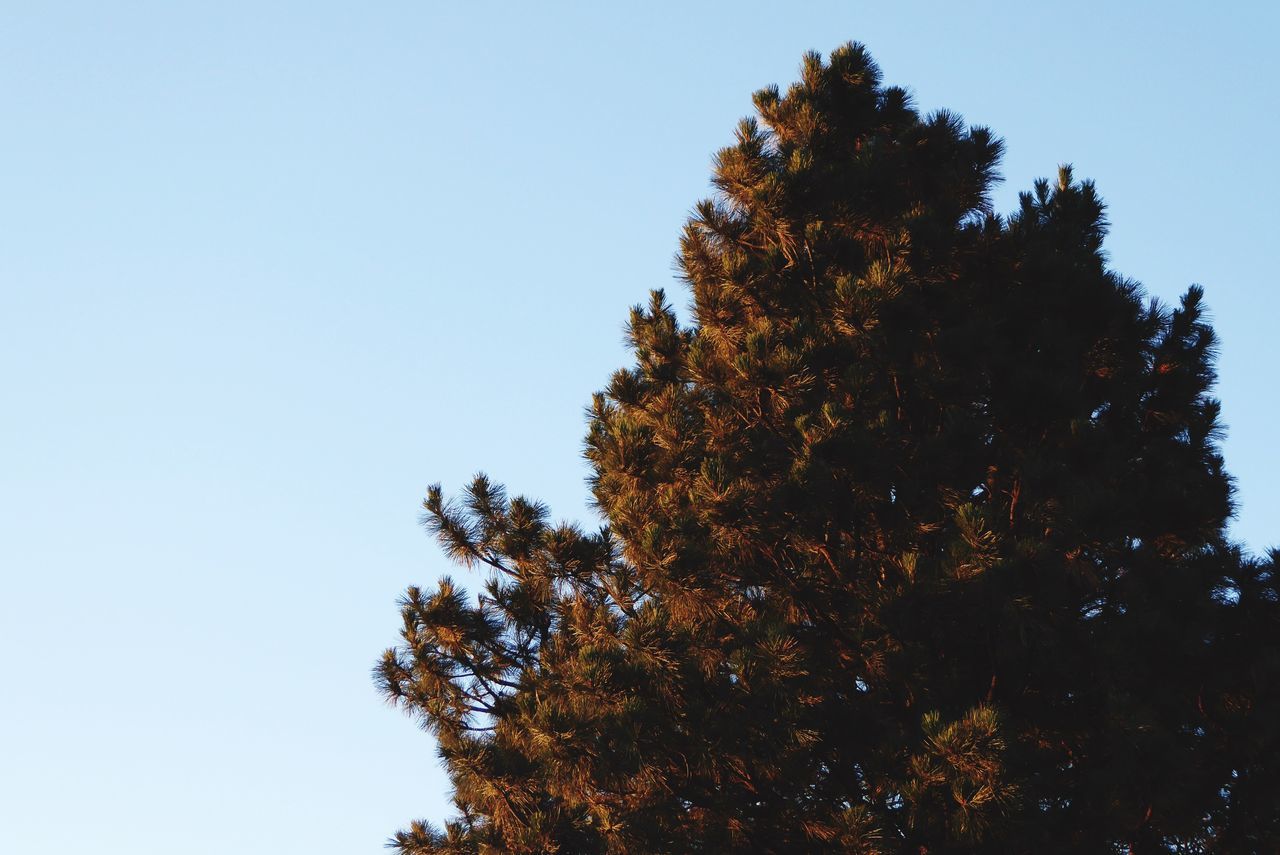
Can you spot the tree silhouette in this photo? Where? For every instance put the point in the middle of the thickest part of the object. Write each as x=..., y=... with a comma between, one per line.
x=915, y=540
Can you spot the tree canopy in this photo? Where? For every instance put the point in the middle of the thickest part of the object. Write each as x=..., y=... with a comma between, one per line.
x=915, y=539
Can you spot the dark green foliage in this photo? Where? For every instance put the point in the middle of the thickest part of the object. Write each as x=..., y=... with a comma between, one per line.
x=915, y=540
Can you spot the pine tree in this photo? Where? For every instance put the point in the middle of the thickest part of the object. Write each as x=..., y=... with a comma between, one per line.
x=915, y=540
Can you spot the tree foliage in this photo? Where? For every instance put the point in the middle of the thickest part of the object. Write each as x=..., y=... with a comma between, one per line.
x=915, y=539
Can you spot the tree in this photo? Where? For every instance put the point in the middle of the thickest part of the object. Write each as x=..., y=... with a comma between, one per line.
x=915, y=540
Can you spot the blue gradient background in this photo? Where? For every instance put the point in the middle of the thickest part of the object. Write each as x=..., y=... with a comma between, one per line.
x=268, y=269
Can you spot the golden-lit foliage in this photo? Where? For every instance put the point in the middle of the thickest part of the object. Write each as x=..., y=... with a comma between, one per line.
x=915, y=540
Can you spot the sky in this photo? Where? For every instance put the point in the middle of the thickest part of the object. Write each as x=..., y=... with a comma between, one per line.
x=268, y=269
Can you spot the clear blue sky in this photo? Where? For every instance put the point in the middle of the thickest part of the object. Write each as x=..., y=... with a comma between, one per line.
x=268, y=269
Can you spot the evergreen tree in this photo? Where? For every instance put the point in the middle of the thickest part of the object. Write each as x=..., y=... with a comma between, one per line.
x=915, y=540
